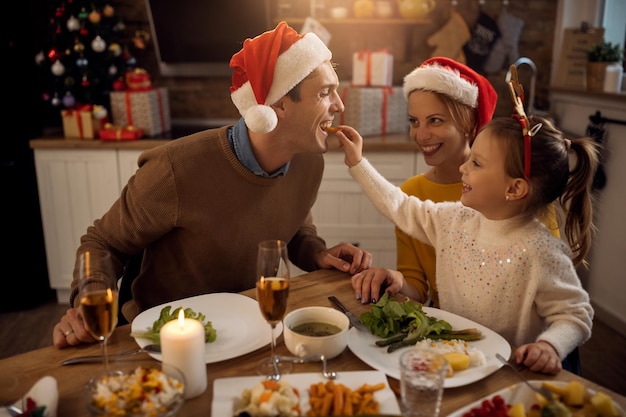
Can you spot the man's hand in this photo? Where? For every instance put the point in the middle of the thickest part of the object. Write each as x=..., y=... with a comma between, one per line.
x=71, y=330
x=344, y=257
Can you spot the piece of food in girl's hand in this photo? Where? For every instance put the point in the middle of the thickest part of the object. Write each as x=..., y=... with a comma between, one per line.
x=269, y=398
x=332, y=129
x=153, y=333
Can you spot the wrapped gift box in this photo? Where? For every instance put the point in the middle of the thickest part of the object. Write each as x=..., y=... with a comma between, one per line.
x=372, y=68
x=83, y=122
x=146, y=110
x=113, y=132
x=374, y=110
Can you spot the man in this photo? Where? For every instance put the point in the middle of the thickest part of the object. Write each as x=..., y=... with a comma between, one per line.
x=198, y=206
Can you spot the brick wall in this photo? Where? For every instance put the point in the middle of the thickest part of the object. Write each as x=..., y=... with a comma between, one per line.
x=204, y=98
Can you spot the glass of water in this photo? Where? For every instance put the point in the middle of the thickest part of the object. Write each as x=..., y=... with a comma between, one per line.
x=422, y=376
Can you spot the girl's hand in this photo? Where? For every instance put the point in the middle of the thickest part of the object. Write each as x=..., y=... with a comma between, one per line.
x=539, y=357
x=370, y=285
x=352, y=143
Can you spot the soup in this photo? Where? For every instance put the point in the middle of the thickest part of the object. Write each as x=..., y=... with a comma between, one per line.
x=316, y=329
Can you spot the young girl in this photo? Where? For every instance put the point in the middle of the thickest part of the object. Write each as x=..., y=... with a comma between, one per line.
x=496, y=263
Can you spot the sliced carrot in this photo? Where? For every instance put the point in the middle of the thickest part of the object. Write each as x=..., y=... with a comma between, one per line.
x=271, y=385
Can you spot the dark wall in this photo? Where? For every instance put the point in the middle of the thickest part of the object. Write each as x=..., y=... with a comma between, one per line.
x=23, y=257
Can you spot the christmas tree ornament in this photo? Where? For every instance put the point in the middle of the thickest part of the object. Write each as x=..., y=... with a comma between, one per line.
x=99, y=112
x=108, y=11
x=57, y=68
x=98, y=44
x=53, y=55
x=40, y=58
x=95, y=17
x=119, y=84
x=59, y=30
x=83, y=31
x=113, y=70
x=85, y=81
x=119, y=27
x=73, y=24
x=115, y=49
x=69, y=82
x=56, y=101
x=68, y=100
x=79, y=47
x=59, y=12
x=82, y=62
x=83, y=14
x=131, y=62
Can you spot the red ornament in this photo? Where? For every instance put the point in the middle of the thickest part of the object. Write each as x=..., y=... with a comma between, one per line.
x=119, y=85
x=85, y=81
x=83, y=31
x=53, y=55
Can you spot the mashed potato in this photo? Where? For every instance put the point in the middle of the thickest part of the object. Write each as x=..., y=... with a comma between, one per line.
x=446, y=347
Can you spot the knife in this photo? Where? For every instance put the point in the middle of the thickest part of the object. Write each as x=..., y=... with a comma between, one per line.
x=354, y=321
x=98, y=358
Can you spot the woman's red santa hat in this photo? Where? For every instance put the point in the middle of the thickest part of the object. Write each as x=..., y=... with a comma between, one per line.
x=457, y=81
x=268, y=67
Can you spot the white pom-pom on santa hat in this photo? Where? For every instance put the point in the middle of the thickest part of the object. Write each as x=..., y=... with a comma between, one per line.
x=268, y=67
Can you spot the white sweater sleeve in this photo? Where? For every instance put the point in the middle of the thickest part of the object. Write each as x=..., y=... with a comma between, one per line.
x=413, y=216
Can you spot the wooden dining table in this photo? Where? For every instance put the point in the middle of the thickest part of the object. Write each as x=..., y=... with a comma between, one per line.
x=310, y=289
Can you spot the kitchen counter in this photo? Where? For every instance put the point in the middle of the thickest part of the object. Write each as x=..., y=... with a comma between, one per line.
x=391, y=142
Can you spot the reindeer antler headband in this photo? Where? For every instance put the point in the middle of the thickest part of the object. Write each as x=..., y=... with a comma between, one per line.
x=517, y=94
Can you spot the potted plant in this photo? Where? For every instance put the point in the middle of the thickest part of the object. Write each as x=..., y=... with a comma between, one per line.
x=602, y=57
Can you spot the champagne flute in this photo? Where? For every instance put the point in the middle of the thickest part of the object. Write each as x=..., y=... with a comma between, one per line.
x=272, y=290
x=98, y=297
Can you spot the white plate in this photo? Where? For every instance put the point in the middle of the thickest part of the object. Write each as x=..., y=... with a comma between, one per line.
x=519, y=393
x=227, y=391
x=239, y=324
x=363, y=345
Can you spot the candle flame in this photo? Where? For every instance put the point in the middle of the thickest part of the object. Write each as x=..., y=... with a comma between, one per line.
x=181, y=318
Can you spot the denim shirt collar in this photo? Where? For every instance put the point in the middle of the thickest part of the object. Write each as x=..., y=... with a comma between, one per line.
x=240, y=144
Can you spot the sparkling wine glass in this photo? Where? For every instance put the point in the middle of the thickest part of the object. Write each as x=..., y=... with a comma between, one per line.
x=98, y=297
x=272, y=290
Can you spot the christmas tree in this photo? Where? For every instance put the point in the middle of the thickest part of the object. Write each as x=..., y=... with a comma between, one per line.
x=86, y=54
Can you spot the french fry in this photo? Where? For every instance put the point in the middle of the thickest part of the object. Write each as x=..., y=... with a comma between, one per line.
x=338, y=400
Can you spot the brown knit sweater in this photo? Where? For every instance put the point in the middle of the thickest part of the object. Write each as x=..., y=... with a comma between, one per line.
x=199, y=214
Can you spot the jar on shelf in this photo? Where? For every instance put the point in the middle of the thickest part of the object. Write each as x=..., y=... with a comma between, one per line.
x=363, y=8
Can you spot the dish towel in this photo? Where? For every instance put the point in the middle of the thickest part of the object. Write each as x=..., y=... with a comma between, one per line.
x=45, y=392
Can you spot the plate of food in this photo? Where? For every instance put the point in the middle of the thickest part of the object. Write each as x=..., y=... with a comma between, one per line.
x=236, y=320
x=481, y=353
x=364, y=391
x=571, y=396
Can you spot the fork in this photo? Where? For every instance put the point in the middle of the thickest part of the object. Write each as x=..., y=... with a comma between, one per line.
x=546, y=393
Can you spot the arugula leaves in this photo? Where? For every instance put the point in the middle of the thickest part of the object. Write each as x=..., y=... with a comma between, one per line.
x=210, y=334
x=405, y=323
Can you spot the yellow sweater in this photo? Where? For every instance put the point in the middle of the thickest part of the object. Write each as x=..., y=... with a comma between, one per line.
x=416, y=260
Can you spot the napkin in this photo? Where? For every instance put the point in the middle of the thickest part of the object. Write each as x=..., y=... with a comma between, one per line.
x=45, y=393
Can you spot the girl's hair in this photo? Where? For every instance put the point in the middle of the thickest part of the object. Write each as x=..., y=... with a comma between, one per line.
x=550, y=176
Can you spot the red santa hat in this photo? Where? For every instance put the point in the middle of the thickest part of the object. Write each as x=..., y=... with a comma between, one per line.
x=457, y=81
x=268, y=67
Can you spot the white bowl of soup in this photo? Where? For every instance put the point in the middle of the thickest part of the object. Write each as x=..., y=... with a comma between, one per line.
x=316, y=331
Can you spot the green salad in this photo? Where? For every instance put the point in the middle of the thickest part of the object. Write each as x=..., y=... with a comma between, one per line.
x=153, y=333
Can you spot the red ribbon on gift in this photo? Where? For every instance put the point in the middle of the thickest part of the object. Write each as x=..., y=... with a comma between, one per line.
x=366, y=54
x=129, y=112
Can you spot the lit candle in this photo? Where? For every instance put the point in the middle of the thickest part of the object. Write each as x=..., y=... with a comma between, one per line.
x=182, y=345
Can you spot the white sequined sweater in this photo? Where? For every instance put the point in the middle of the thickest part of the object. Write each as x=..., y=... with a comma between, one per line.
x=516, y=280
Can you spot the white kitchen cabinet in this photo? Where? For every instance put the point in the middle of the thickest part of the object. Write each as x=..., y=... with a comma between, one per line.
x=342, y=212
x=75, y=187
